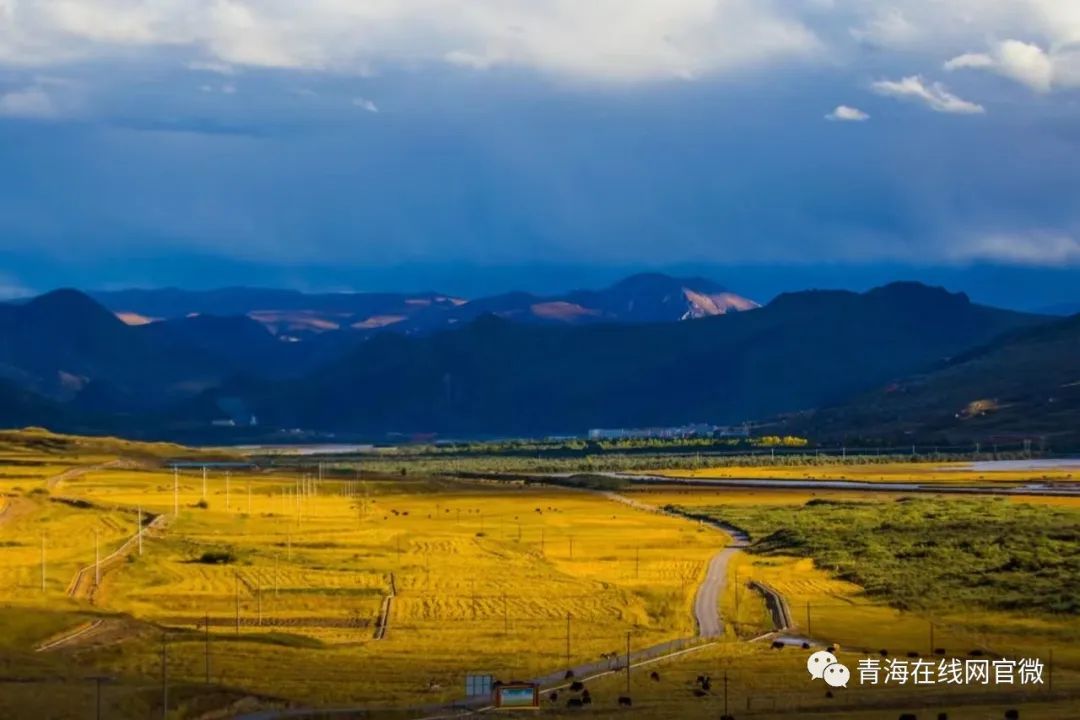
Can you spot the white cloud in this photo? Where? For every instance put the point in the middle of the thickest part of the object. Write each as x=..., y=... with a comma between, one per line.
x=889, y=28
x=846, y=113
x=365, y=104
x=605, y=40
x=935, y=95
x=1035, y=248
x=212, y=66
x=31, y=102
x=1023, y=62
x=969, y=60
x=224, y=88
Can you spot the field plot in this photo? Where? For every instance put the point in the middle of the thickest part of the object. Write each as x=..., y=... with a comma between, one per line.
x=293, y=576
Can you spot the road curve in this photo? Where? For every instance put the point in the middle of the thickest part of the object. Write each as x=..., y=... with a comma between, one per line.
x=707, y=600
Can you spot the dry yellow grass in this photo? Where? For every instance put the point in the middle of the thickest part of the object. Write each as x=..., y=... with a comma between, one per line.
x=921, y=472
x=485, y=576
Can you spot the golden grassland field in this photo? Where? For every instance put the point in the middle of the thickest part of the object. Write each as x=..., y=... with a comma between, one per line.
x=896, y=472
x=294, y=574
x=485, y=576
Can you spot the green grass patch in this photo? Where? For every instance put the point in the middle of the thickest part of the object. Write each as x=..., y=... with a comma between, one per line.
x=928, y=553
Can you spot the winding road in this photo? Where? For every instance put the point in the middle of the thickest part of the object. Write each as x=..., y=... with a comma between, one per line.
x=707, y=600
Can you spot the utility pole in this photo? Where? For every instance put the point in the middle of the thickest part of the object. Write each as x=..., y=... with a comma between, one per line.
x=568, y=641
x=97, y=557
x=628, y=662
x=725, y=694
x=206, y=645
x=140, y=531
x=238, y=603
x=164, y=677
x=736, y=600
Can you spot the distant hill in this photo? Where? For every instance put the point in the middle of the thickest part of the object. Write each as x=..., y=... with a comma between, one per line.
x=64, y=346
x=641, y=298
x=1023, y=384
x=803, y=350
x=1061, y=309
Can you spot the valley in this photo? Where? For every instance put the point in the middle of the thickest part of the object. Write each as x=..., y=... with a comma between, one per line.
x=269, y=589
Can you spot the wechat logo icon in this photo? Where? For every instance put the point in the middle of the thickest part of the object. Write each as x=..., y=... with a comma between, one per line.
x=824, y=666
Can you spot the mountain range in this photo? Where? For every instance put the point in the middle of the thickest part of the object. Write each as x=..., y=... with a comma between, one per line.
x=295, y=315
x=900, y=359
x=1024, y=384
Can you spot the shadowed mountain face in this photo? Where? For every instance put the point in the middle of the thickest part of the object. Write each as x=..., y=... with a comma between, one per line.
x=494, y=376
x=65, y=356
x=66, y=346
x=638, y=299
x=1023, y=383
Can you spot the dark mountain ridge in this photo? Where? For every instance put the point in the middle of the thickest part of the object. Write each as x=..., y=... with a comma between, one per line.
x=802, y=351
x=1023, y=383
x=66, y=358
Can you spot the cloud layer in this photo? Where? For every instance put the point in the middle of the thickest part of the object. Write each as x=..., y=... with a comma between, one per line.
x=609, y=40
x=507, y=129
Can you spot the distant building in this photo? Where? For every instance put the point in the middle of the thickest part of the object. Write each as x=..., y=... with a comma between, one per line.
x=694, y=430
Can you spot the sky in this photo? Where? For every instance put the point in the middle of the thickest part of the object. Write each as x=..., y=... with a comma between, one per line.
x=478, y=145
